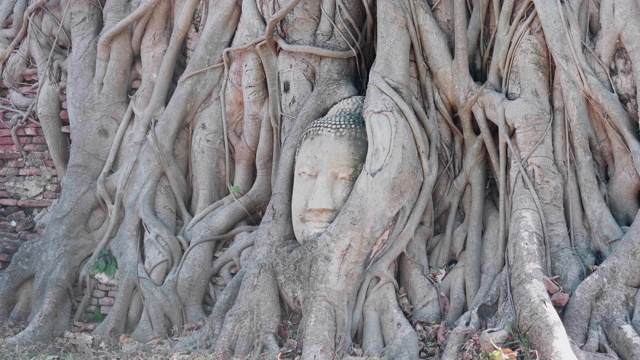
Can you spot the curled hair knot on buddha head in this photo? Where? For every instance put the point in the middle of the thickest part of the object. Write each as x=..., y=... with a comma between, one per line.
x=343, y=120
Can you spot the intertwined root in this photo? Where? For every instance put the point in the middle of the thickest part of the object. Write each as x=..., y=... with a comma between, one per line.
x=603, y=312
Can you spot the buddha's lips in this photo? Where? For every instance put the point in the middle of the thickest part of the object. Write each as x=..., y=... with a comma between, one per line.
x=317, y=220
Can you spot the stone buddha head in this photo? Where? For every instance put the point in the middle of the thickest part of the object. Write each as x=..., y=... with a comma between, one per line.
x=328, y=161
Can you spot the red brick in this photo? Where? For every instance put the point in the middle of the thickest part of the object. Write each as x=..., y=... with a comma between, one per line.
x=49, y=195
x=64, y=115
x=98, y=293
x=36, y=147
x=28, y=90
x=112, y=293
x=30, y=171
x=10, y=155
x=4, y=194
x=105, y=309
x=8, y=147
x=49, y=163
x=560, y=299
x=5, y=132
x=64, y=104
x=66, y=129
x=16, y=163
x=34, y=203
x=5, y=257
x=9, y=202
x=29, y=131
x=38, y=140
x=106, y=287
x=9, y=140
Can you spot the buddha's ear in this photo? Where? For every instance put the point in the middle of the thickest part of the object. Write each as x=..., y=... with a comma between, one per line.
x=381, y=132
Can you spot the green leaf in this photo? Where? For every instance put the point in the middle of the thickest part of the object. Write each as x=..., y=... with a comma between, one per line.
x=98, y=317
x=104, y=252
x=235, y=188
x=98, y=267
x=111, y=270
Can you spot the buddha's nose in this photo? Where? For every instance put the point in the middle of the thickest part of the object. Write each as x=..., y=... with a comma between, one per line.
x=321, y=197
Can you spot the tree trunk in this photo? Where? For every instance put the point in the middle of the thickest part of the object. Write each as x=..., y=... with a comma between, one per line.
x=501, y=175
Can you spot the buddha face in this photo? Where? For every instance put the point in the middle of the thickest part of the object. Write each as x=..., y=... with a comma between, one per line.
x=326, y=168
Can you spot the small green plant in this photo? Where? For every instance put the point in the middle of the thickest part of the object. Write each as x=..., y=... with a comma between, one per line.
x=235, y=188
x=106, y=264
x=95, y=317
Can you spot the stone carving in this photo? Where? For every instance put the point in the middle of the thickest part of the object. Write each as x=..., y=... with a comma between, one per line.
x=329, y=159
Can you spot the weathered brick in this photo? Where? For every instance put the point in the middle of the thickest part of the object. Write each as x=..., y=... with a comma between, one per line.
x=105, y=309
x=54, y=187
x=28, y=90
x=38, y=140
x=36, y=147
x=38, y=155
x=91, y=308
x=104, y=287
x=30, y=171
x=50, y=195
x=29, y=236
x=8, y=147
x=49, y=163
x=112, y=293
x=28, y=131
x=10, y=155
x=5, y=257
x=8, y=202
x=64, y=115
x=9, y=140
x=106, y=301
x=98, y=293
x=19, y=163
x=66, y=129
x=64, y=104
x=10, y=246
x=17, y=215
x=5, y=132
x=7, y=171
x=25, y=225
x=93, y=301
x=34, y=203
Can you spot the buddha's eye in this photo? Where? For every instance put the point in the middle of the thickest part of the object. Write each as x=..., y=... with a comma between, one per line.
x=306, y=175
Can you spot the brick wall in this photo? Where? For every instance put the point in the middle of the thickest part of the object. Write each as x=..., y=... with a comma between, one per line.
x=29, y=182
x=29, y=186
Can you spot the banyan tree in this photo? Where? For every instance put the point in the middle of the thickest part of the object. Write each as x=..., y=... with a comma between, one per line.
x=368, y=165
